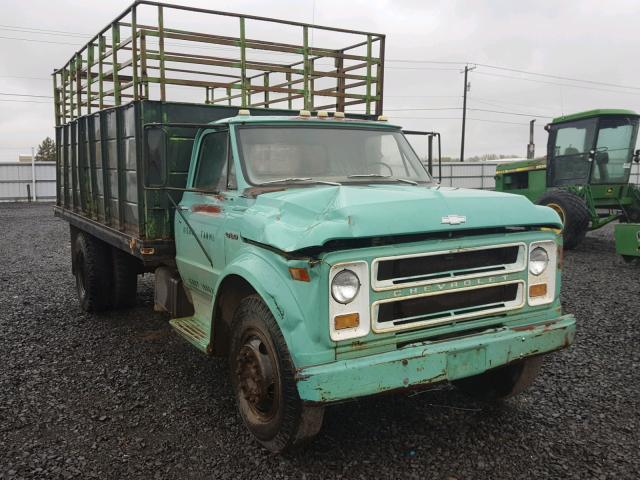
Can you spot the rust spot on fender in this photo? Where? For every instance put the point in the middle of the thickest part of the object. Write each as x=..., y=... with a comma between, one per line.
x=207, y=209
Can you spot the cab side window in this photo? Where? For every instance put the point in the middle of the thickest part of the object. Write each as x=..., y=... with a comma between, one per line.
x=211, y=171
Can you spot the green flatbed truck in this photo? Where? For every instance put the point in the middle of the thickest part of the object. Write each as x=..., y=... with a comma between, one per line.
x=313, y=250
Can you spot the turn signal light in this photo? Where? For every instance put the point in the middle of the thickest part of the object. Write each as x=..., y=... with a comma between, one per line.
x=350, y=320
x=539, y=290
x=300, y=274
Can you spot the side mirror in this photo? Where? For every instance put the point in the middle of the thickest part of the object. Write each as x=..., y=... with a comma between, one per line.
x=636, y=156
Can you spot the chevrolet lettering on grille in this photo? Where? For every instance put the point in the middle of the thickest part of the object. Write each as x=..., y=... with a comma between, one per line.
x=441, y=287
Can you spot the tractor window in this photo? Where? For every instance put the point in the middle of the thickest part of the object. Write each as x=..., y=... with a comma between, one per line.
x=614, y=150
x=517, y=181
x=569, y=152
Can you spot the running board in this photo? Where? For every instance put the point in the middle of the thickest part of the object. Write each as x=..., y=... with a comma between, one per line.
x=192, y=330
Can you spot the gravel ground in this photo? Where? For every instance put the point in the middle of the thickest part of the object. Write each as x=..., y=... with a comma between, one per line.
x=121, y=396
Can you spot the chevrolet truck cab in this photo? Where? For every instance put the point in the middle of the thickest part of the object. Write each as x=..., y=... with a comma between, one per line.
x=326, y=264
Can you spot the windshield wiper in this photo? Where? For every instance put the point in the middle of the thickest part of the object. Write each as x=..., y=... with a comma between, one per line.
x=379, y=175
x=300, y=179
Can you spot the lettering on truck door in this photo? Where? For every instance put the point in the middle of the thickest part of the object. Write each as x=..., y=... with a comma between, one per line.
x=205, y=215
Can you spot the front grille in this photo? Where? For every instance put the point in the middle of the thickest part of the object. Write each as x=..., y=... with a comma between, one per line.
x=435, y=267
x=448, y=307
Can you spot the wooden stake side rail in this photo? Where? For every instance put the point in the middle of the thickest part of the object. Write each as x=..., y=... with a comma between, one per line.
x=128, y=60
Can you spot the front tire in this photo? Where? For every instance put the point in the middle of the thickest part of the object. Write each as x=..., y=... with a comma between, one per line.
x=502, y=382
x=573, y=213
x=263, y=380
x=92, y=269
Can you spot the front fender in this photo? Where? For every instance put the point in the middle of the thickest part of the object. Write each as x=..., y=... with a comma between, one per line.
x=296, y=306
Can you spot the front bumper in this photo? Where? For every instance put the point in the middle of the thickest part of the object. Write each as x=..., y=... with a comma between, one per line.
x=432, y=362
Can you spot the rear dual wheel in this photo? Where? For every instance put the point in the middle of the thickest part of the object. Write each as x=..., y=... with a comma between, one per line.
x=92, y=269
x=106, y=277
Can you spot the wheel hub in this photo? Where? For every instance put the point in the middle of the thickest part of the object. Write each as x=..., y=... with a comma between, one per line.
x=255, y=374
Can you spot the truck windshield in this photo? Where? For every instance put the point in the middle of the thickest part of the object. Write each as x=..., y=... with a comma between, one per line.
x=313, y=154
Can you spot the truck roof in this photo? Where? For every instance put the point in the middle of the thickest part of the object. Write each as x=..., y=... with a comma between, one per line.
x=594, y=113
x=314, y=120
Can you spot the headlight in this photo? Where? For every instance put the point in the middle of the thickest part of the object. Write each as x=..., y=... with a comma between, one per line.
x=345, y=286
x=538, y=260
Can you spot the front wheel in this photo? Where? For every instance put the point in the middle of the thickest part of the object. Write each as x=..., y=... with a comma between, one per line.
x=262, y=376
x=502, y=382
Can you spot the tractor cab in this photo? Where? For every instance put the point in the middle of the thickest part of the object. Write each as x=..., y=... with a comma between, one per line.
x=585, y=176
x=591, y=148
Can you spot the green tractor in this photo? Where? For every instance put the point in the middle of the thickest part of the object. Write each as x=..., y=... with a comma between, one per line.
x=585, y=177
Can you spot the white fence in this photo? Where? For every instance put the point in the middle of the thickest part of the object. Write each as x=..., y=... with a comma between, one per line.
x=18, y=179
x=480, y=174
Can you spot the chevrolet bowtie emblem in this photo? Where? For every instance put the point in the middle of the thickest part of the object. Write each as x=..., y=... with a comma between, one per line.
x=454, y=219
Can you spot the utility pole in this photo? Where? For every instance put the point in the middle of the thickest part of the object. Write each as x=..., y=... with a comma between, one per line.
x=464, y=109
x=531, y=148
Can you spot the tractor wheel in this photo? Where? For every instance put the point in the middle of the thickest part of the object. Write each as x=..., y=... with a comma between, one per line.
x=263, y=380
x=92, y=268
x=573, y=213
x=502, y=382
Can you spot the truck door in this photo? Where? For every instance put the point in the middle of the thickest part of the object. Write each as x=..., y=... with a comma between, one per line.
x=199, y=230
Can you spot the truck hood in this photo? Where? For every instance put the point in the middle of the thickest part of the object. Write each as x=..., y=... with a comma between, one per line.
x=298, y=218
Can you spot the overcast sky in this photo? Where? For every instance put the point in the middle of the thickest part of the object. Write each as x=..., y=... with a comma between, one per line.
x=583, y=39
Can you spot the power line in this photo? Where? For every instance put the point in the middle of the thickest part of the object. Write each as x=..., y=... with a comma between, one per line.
x=420, y=109
x=396, y=60
x=557, y=77
x=25, y=78
x=486, y=120
x=57, y=32
x=471, y=109
x=25, y=95
x=25, y=101
x=39, y=41
x=545, y=82
x=491, y=101
x=516, y=70
x=444, y=62
x=423, y=96
x=510, y=113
